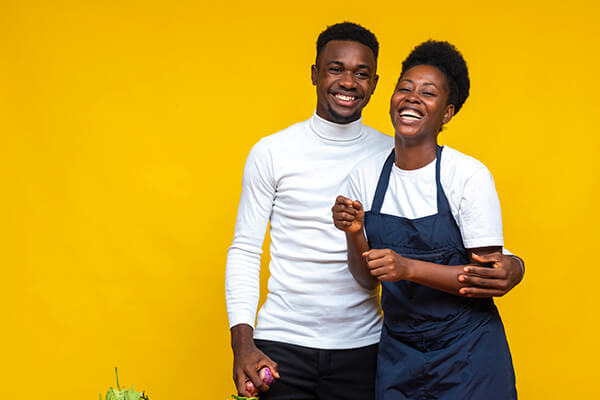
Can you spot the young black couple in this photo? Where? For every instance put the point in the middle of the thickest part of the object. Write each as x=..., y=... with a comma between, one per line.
x=421, y=219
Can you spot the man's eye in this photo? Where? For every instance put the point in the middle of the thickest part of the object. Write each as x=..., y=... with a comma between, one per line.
x=363, y=74
x=404, y=90
x=428, y=94
x=334, y=69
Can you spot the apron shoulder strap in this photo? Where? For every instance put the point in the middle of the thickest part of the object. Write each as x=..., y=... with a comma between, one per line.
x=442, y=201
x=382, y=184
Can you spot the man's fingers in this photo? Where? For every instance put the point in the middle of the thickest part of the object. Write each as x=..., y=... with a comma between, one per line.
x=484, y=259
x=486, y=272
x=274, y=369
x=273, y=366
x=484, y=283
x=240, y=384
x=256, y=381
x=478, y=292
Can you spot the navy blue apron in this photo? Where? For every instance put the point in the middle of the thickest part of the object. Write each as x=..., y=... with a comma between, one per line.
x=434, y=345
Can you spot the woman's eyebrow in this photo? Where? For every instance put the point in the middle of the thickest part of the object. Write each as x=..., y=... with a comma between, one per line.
x=425, y=84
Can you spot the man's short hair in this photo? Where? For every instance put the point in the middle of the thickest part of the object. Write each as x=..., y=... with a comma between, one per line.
x=445, y=57
x=347, y=31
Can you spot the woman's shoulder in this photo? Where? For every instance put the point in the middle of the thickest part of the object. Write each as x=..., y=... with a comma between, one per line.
x=372, y=164
x=461, y=163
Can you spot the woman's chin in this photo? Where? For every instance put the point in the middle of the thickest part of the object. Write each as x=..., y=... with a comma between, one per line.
x=407, y=133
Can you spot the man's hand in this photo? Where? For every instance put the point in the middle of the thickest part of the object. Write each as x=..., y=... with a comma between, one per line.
x=488, y=282
x=248, y=360
x=386, y=265
x=348, y=215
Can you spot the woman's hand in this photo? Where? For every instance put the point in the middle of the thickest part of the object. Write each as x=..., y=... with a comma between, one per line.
x=387, y=265
x=348, y=215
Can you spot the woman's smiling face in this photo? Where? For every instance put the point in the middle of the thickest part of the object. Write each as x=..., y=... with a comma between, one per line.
x=418, y=107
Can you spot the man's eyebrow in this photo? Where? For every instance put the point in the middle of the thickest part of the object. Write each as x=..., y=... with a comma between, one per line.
x=360, y=66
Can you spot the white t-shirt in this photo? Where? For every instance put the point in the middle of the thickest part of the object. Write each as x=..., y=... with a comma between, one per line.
x=467, y=183
x=291, y=179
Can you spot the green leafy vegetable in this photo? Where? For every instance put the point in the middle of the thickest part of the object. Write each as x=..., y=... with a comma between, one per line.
x=123, y=394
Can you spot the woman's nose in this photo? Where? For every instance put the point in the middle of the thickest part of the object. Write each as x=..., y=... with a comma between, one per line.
x=412, y=98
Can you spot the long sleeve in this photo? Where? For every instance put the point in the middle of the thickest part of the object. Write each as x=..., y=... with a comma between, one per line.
x=242, y=276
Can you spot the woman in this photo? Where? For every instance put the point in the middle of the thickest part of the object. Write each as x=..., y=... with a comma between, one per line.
x=431, y=211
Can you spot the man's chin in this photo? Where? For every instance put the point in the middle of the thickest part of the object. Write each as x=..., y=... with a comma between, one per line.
x=344, y=118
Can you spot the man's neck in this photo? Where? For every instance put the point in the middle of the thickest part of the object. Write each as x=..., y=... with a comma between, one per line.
x=335, y=131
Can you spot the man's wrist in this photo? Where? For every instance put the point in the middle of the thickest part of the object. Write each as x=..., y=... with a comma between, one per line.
x=521, y=264
x=241, y=335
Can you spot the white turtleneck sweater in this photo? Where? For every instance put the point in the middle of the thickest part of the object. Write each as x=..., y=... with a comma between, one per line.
x=291, y=179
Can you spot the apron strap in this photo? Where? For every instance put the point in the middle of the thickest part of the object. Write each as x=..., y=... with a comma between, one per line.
x=442, y=202
x=382, y=184
x=384, y=180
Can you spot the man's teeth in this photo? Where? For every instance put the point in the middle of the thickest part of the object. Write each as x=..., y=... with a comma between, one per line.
x=345, y=98
x=410, y=114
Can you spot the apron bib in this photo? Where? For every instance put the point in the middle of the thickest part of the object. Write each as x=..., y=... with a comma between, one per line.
x=434, y=345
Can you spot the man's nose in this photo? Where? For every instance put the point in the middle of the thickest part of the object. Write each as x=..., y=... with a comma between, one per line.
x=347, y=80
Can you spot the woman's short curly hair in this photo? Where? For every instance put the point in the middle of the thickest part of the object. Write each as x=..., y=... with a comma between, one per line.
x=445, y=57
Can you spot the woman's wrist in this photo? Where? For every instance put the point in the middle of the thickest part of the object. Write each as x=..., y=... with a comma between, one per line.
x=410, y=268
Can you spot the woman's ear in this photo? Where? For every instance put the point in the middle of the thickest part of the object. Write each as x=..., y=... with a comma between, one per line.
x=448, y=114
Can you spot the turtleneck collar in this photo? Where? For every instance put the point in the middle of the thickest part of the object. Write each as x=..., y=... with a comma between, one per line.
x=338, y=132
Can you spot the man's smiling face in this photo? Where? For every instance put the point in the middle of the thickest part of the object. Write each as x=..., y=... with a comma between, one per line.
x=345, y=78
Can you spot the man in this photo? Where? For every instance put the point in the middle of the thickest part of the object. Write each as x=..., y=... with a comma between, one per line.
x=318, y=329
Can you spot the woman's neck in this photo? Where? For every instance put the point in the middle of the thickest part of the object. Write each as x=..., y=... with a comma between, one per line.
x=414, y=154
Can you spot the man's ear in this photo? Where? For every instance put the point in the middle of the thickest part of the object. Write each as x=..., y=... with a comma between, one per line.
x=314, y=73
x=375, y=83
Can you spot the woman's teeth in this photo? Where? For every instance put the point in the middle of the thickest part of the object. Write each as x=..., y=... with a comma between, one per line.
x=410, y=114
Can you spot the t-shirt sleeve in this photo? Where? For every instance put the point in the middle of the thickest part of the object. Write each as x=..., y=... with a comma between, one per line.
x=480, y=216
x=242, y=275
x=353, y=188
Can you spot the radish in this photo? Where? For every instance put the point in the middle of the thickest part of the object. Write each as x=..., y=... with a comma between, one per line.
x=265, y=375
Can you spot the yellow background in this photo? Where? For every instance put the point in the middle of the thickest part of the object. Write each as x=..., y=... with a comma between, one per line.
x=124, y=127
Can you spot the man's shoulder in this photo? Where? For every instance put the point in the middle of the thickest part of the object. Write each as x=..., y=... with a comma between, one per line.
x=378, y=137
x=278, y=142
x=284, y=135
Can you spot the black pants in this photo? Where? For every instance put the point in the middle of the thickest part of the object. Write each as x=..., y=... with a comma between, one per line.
x=313, y=374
